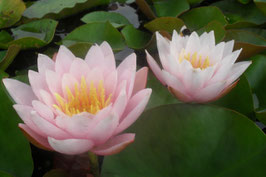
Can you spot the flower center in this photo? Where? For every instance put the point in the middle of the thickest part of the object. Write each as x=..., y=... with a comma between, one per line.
x=197, y=61
x=83, y=99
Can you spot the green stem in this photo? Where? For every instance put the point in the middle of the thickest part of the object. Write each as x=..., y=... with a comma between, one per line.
x=94, y=164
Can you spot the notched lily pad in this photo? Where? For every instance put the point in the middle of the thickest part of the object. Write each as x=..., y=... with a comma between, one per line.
x=166, y=8
x=35, y=34
x=10, y=12
x=116, y=19
x=95, y=33
x=60, y=8
x=135, y=38
x=7, y=56
x=201, y=16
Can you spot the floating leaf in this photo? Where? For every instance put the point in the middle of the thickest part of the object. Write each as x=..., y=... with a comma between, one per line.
x=165, y=23
x=6, y=57
x=170, y=8
x=239, y=98
x=193, y=2
x=215, y=26
x=145, y=9
x=14, y=148
x=56, y=173
x=96, y=33
x=10, y=12
x=201, y=16
x=60, y=8
x=238, y=13
x=116, y=19
x=135, y=39
x=191, y=140
x=261, y=4
x=35, y=34
x=244, y=1
x=80, y=49
x=4, y=174
x=250, y=42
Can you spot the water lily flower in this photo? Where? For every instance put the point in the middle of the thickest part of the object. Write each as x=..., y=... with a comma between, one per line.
x=73, y=105
x=194, y=68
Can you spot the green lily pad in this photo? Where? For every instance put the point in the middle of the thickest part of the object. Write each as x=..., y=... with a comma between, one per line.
x=146, y=9
x=4, y=174
x=199, y=17
x=239, y=98
x=238, y=13
x=191, y=140
x=15, y=150
x=244, y=1
x=250, y=42
x=56, y=173
x=165, y=23
x=170, y=8
x=80, y=49
x=215, y=26
x=60, y=8
x=193, y=2
x=10, y=12
x=116, y=19
x=95, y=33
x=160, y=94
x=134, y=38
x=35, y=34
x=7, y=56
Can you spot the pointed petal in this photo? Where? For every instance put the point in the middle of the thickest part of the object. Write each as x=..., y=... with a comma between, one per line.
x=43, y=110
x=134, y=109
x=140, y=80
x=37, y=82
x=210, y=92
x=114, y=145
x=64, y=59
x=20, y=92
x=35, y=138
x=70, y=146
x=155, y=68
x=228, y=48
x=180, y=96
x=45, y=63
x=193, y=43
x=163, y=46
x=53, y=81
x=110, y=83
x=120, y=103
x=79, y=68
x=108, y=55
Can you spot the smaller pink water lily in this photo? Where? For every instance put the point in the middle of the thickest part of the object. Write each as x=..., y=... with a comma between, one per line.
x=73, y=105
x=194, y=68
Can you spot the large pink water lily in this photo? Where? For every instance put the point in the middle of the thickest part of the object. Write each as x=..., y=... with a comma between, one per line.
x=74, y=105
x=194, y=68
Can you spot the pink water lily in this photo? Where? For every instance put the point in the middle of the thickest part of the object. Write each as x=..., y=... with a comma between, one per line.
x=73, y=105
x=194, y=68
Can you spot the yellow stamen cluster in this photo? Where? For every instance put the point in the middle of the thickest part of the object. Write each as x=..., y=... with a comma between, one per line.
x=196, y=60
x=83, y=99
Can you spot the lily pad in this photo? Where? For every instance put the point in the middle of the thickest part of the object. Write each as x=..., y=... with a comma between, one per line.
x=15, y=150
x=165, y=23
x=56, y=173
x=7, y=56
x=134, y=38
x=60, y=8
x=80, y=49
x=239, y=98
x=10, y=12
x=170, y=8
x=237, y=13
x=116, y=19
x=145, y=9
x=250, y=42
x=199, y=17
x=96, y=33
x=4, y=174
x=261, y=4
x=191, y=140
x=215, y=26
x=35, y=34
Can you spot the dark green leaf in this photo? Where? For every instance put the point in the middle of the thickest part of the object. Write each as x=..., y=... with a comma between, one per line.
x=239, y=98
x=244, y=1
x=165, y=23
x=35, y=34
x=10, y=12
x=145, y=9
x=96, y=33
x=261, y=4
x=8, y=57
x=14, y=148
x=201, y=16
x=170, y=8
x=193, y=2
x=191, y=140
x=135, y=39
x=215, y=26
x=60, y=8
x=238, y=13
x=116, y=19
x=56, y=173
x=80, y=49
x=4, y=174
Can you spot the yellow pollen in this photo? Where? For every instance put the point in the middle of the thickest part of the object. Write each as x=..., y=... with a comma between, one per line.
x=82, y=98
x=196, y=60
